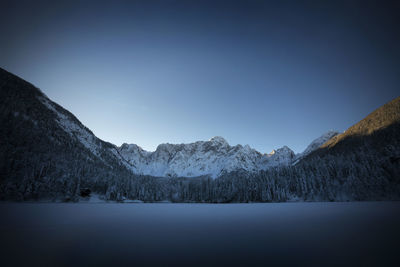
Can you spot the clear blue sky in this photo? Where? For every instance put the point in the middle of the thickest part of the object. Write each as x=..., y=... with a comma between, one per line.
x=263, y=73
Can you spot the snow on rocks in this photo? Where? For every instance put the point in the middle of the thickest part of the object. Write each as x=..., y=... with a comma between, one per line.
x=212, y=157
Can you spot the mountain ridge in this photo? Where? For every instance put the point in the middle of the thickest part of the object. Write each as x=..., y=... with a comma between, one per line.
x=239, y=157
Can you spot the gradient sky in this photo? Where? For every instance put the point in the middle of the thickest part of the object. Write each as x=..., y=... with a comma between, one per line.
x=263, y=73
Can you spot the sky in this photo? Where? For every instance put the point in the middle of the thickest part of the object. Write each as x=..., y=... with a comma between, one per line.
x=263, y=73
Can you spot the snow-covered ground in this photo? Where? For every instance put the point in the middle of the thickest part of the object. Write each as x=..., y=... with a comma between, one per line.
x=289, y=234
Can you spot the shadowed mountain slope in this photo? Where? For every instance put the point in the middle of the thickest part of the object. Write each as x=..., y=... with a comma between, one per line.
x=45, y=149
x=384, y=116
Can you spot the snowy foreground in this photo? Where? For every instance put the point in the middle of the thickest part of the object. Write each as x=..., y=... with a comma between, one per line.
x=321, y=234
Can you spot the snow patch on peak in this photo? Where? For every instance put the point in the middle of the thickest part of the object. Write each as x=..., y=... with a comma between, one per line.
x=219, y=140
x=132, y=147
x=315, y=144
x=280, y=156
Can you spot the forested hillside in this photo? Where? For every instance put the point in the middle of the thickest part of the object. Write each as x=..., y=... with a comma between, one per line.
x=39, y=158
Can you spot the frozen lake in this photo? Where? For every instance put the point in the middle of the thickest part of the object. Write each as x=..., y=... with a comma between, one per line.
x=363, y=233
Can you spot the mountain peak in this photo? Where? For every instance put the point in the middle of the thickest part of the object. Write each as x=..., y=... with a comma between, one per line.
x=284, y=149
x=318, y=142
x=219, y=139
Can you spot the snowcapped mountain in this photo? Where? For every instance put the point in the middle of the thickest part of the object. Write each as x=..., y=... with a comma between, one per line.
x=212, y=157
x=315, y=144
x=319, y=142
x=281, y=156
x=70, y=140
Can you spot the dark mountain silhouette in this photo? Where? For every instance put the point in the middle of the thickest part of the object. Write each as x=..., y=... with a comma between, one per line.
x=384, y=118
x=41, y=150
x=365, y=159
x=377, y=136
